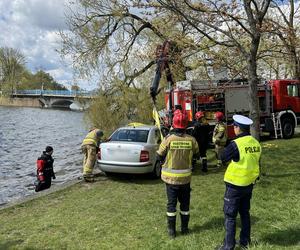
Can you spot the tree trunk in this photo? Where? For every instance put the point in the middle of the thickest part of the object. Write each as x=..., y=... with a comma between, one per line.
x=296, y=70
x=253, y=81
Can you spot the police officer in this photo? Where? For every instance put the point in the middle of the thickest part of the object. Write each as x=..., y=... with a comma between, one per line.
x=243, y=155
x=219, y=136
x=89, y=148
x=201, y=133
x=177, y=151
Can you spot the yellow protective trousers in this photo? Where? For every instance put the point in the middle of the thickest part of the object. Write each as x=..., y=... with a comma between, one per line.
x=90, y=155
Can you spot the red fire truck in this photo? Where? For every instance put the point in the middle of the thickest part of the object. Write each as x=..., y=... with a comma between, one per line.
x=279, y=102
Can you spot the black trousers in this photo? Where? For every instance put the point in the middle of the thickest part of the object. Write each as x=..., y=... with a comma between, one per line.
x=42, y=186
x=237, y=200
x=202, y=151
x=179, y=193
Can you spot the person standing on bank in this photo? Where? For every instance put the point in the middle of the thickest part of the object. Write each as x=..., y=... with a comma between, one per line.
x=219, y=136
x=243, y=155
x=177, y=151
x=45, y=170
x=89, y=147
x=201, y=133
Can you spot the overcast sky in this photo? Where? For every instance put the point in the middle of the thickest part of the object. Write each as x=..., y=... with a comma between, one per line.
x=32, y=27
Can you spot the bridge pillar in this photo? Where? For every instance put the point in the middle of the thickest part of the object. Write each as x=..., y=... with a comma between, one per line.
x=44, y=102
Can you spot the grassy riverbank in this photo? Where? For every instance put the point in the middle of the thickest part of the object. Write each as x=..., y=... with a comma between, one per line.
x=129, y=212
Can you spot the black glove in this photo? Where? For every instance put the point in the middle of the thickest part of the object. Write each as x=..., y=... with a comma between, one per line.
x=53, y=176
x=160, y=158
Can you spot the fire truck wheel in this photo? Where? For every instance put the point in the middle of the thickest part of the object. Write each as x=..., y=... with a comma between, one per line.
x=288, y=128
x=157, y=170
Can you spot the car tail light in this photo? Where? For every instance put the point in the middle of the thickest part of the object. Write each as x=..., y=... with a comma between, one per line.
x=99, y=154
x=144, y=156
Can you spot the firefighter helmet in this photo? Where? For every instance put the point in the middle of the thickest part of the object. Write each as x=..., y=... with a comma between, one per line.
x=199, y=115
x=219, y=116
x=180, y=120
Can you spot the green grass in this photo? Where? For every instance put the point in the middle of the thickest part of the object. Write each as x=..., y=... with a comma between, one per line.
x=129, y=212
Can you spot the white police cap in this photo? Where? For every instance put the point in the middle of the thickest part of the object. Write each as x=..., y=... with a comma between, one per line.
x=242, y=120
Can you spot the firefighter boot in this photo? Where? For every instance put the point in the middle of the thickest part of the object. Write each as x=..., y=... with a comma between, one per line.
x=185, y=223
x=204, y=165
x=172, y=226
x=88, y=177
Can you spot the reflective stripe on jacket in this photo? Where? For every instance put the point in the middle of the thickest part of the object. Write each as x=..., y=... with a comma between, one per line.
x=246, y=170
x=91, y=138
x=179, y=151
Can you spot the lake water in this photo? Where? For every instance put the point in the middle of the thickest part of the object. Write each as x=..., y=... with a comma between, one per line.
x=24, y=134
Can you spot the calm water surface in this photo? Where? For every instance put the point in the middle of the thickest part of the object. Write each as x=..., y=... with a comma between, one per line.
x=24, y=134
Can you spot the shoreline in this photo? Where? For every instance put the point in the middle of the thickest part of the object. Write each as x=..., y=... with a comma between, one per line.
x=43, y=193
x=19, y=102
x=51, y=190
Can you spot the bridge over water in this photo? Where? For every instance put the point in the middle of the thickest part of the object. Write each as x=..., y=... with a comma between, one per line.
x=57, y=98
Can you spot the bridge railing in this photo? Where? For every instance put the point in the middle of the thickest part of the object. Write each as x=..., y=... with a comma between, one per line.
x=53, y=92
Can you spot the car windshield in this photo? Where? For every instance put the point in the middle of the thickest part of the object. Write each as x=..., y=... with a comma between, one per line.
x=133, y=135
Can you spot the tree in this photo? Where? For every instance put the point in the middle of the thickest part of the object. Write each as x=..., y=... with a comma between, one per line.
x=119, y=106
x=40, y=79
x=12, y=65
x=283, y=25
x=224, y=24
x=113, y=34
x=119, y=37
x=75, y=88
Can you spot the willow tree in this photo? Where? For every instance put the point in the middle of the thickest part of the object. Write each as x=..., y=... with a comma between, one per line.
x=105, y=36
x=112, y=36
x=117, y=40
x=119, y=106
x=12, y=65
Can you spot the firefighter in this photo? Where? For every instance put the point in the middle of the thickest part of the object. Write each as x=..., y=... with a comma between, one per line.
x=201, y=133
x=177, y=111
x=219, y=136
x=243, y=155
x=90, y=146
x=177, y=151
x=45, y=170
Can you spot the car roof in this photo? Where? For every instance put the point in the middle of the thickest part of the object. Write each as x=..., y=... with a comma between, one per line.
x=141, y=127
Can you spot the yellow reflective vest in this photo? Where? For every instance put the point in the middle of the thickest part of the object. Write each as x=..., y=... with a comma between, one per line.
x=246, y=170
x=179, y=151
x=92, y=138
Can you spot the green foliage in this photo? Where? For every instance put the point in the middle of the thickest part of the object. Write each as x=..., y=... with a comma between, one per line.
x=12, y=65
x=39, y=79
x=120, y=106
x=75, y=88
x=128, y=212
x=15, y=76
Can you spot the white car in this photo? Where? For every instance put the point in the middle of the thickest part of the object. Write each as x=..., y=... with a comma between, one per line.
x=131, y=150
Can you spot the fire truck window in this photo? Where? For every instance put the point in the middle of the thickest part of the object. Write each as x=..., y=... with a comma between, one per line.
x=292, y=90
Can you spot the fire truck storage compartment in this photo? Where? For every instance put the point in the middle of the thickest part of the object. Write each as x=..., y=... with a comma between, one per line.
x=237, y=100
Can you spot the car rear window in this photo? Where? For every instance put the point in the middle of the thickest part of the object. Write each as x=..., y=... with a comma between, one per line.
x=134, y=135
